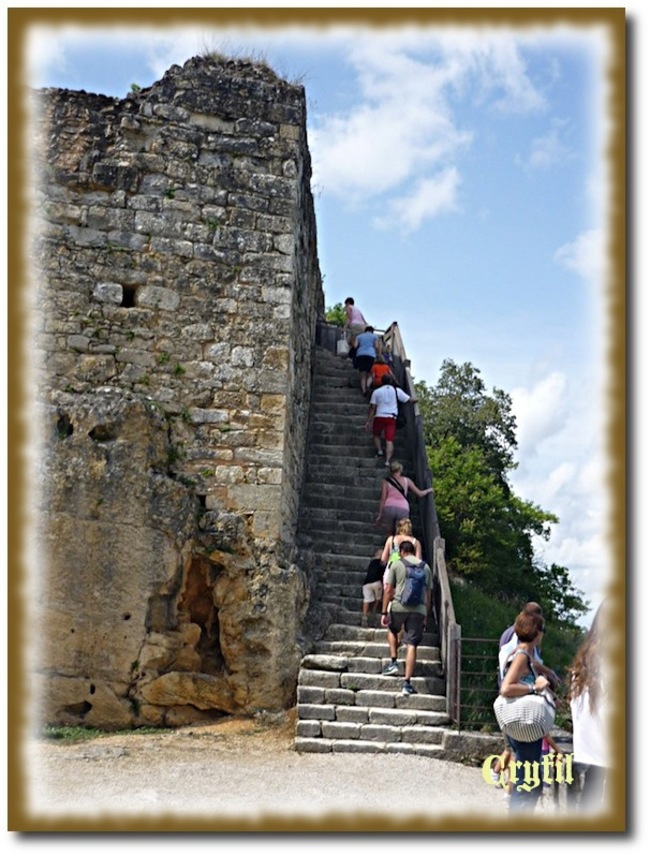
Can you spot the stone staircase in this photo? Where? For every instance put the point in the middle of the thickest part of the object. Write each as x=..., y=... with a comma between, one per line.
x=344, y=702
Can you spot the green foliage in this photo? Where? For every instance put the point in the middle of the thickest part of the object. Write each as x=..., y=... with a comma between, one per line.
x=459, y=406
x=489, y=531
x=335, y=314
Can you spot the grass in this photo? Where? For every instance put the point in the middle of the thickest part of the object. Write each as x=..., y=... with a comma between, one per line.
x=79, y=734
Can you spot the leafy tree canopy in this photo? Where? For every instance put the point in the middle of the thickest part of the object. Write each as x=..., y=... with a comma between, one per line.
x=489, y=531
x=460, y=406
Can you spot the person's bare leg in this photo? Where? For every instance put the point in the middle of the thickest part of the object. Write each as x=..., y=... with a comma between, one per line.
x=392, y=645
x=389, y=450
x=409, y=663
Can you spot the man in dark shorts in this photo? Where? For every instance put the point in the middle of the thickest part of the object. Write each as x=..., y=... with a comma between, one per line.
x=367, y=345
x=411, y=617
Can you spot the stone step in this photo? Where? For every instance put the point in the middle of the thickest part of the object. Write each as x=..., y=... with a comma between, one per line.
x=329, y=469
x=338, y=662
x=344, y=632
x=332, y=545
x=339, y=493
x=359, y=512
x=326, y=561
x=355, y=681
x=390, y=698
x=381, y=732
x=322, y=745
x=344, y=526
x=352, y=620
x=345, y=703
x=361, y=648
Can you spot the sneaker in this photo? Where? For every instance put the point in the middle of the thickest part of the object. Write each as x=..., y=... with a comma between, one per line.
x=408, y=689
x=391, y=669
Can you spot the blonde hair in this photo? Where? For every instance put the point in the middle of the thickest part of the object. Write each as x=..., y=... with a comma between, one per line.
x=404, y=526
x=395, y=467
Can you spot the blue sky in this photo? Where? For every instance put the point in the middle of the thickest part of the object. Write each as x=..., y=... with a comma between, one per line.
x=461, y=190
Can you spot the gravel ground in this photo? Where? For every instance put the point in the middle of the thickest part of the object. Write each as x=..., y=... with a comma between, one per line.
x=245, y=775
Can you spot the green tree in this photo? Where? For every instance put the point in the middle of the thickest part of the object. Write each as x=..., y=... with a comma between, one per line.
x=335, y=314
x=460, y=406
x=489, y=531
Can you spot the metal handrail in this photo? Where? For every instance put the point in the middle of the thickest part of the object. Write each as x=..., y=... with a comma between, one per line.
x=433, y=545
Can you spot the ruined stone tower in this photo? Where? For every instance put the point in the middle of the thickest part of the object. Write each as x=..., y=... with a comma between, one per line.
x=176, y=293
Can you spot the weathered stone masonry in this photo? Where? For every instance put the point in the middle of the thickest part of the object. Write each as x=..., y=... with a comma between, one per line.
x=178, y=292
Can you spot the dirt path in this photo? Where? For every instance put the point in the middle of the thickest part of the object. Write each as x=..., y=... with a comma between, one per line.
x=243, y=774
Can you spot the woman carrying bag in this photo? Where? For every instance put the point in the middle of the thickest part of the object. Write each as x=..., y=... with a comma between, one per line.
x=520, y=680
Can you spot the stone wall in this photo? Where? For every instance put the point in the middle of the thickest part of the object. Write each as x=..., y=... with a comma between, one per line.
x=176, y=298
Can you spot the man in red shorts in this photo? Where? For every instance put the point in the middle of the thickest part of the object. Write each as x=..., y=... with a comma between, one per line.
x=382, y=414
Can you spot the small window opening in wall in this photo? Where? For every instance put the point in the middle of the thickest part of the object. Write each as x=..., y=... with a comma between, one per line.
x=201, y=498
x=128, y=296
x=92, y=689
x=127, y=616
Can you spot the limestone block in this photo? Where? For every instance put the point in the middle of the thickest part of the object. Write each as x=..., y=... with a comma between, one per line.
x=96, y=370
x=108, y=292
x=187, y=660
x=78, y=343
x=183, y=715
x=109, y=219
x=229, y=475
x=73, y=700
x=285, y=244
x=108, y=711
x=241, y=356
x=276, y=358
x=135, y=357
x=150, y=714
x=199, y=332
x=154, y=297
x=200, y=415
x=180, y=688
x=255, y=497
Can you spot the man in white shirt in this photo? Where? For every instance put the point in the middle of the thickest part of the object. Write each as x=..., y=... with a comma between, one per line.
x=382, y=415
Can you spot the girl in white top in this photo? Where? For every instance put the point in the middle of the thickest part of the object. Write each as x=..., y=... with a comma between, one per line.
x=587, y=696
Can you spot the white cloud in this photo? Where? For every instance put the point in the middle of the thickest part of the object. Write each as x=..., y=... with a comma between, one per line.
x=585, y=256
x=540, y=412
x=549, y=149
x=405, y=123
x=430, y=197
